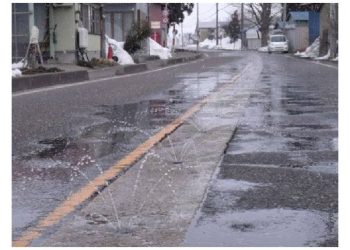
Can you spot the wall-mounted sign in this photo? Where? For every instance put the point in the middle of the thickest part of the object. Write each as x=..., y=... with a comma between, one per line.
x=155, y=25
x=165, y=20
x=165, y=13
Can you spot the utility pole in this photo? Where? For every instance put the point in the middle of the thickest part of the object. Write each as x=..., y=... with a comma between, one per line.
x=333, y=29
x=31, y=16
x=197, y=26
x=217, y=24
x=166, y=28
x=149, y=23
x=284, y=17
x=52, y=31
x=182, y=34
x=103, y=32
x=242, y=23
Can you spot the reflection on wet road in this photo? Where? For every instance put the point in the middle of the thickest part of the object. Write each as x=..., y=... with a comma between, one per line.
x=277, y=184
x=47, y=170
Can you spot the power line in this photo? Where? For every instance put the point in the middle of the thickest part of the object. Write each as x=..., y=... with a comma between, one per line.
x=227, y=5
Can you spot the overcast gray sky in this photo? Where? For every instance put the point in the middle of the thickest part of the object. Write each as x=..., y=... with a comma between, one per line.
x=207, y=12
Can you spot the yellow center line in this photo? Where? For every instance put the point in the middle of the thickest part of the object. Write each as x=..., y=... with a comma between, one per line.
x=77, y=198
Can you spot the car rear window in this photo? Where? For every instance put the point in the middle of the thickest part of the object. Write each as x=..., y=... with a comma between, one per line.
x=278, y=39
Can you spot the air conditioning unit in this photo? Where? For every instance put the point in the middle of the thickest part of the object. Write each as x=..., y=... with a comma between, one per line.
x=83, y=38
x=63, y=4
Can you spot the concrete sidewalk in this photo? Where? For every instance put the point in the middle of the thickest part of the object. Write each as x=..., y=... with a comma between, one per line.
x=74, y=73
x=154, y=201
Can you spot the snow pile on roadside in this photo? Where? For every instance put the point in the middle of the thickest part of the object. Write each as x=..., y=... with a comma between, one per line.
x=16, y=68
x=118, y=51
x=16, y=73
x=18, y=65
x=263, y=49
x=191, y=46
x=224, y=43
x=311, y=51
x=208, y=44
x=325, y=57
x=158, y=50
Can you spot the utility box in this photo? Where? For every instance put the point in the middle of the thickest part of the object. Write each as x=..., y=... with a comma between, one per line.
x=83, y=38
x=34, y=35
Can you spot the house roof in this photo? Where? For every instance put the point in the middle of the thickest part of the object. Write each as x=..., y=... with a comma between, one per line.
x=299, y=15
x=210, y=25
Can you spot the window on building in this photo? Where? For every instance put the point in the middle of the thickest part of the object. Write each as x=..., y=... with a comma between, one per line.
x=20, y=30
x=95, y=21
x=108, y=25
x=118, y=24
x=91, y=18
x=128, y=20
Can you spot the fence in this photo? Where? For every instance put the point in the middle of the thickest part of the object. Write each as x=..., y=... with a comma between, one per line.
x=298, y=38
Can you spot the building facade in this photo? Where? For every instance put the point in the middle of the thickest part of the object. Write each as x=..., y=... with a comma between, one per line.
x=158, y=26
x=57, y=23
x=207, y=30
x=120, y=17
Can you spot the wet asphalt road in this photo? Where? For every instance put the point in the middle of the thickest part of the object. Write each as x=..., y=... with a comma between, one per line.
x=281, y=162
x=277, y=184
x=62, y=138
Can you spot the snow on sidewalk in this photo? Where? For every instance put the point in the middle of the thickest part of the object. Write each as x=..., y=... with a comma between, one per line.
x=16, y=68
x=312, y=51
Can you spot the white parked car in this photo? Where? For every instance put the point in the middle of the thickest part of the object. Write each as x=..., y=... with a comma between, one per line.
x=278, y=43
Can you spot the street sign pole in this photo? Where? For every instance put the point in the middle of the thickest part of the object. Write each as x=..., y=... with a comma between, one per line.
x=182, y=34
x=197, y=26
x=217, y=24
x=166, y=28
x=242, y=26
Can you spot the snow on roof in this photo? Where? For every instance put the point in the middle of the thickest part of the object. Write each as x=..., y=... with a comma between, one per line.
x=299, y=15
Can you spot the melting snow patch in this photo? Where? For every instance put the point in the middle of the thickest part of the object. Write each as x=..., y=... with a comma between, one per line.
x=16, y=73
x=224, y=43
x=157, y=50
x=325, y=57
x=263, y=49
x=207, y=44
x=16, y=68
x=118, y=51
x=312, y=51
x=18, y=65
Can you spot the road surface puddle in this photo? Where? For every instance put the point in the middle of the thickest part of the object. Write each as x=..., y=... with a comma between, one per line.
x=263, y=228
